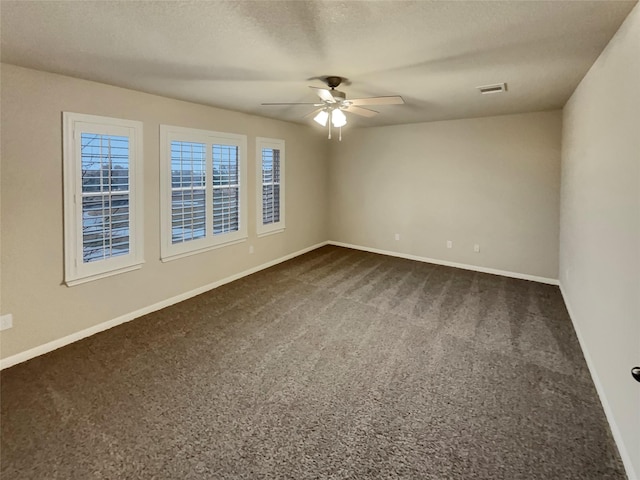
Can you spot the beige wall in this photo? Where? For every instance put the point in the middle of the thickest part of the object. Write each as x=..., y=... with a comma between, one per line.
x=32, y=229
x=490, y=181
x=600, y=227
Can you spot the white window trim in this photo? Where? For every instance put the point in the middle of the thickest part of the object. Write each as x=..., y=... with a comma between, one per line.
x=169, y=133
x=76, y=271
x=278, y=227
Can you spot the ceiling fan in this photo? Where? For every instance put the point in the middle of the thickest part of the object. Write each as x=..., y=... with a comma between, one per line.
x=333, y=103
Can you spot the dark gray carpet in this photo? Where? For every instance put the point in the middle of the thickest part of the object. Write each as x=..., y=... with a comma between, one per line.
x=338, y=364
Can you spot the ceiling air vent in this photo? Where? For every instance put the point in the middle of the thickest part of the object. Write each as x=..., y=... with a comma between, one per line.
x=495, y=88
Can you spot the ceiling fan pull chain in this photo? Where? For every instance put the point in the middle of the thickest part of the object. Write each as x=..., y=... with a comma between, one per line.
x=340, y=137
x=329, y=130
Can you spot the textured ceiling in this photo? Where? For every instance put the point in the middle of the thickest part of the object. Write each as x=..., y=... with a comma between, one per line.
x=238, y=54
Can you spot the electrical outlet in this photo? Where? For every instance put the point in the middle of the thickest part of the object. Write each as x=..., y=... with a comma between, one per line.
x=6, y=321
x=449, y=244
x=250, y=248
x=476, y=248
x=397, y=236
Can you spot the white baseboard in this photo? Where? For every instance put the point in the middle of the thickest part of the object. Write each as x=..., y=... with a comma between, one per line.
x=74, y=337
x=504, y=273
x=615, y=431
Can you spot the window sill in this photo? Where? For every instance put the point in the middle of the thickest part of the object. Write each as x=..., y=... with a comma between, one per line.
x=270, y=232
x=176, y=256
x=90, y=278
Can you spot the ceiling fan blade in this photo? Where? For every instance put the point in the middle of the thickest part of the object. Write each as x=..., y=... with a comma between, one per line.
x=314, y=113
x=392, y=100
x=280, y=103
x=365, y=112
x=324, y=94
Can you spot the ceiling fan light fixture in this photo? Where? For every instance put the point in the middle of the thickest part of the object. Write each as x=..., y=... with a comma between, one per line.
x=322, y=117
x=338, y=118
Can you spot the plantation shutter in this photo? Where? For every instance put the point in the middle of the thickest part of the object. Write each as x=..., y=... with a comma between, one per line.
x=105, y=196
x=188, y=191
x=270, y=185
x=226, y=189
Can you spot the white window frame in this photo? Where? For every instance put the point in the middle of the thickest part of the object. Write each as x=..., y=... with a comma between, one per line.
x=277, y=227
x=76, y=270
x=168, y=133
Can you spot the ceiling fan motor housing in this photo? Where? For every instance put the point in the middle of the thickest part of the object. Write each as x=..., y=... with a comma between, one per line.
x=333, y=81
